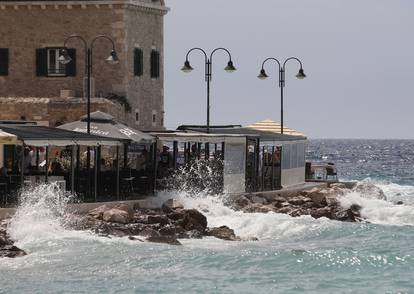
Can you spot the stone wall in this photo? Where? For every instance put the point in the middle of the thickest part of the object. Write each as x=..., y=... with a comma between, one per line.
x=26, y=27
x=55, y=111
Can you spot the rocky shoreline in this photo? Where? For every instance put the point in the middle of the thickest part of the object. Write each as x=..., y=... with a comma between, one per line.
x=317, y=202
x=172, y=221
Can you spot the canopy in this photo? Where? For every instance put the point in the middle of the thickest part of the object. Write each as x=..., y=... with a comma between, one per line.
x=6, y=138
x=268, y=125
x=198, y=137
x=103, y=124
x=44, y=136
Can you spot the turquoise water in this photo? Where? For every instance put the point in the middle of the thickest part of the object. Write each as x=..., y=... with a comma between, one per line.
x=293, y=255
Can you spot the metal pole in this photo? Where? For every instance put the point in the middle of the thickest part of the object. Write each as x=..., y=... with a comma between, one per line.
x=72, y=170
x=95, y=174
x=88, y=112
x=47, y=165
x=208, y=94
x=117, y=172
x=22, y=167
x=282, y=85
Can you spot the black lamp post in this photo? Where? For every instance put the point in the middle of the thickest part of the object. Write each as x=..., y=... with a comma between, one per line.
x=64, y=58
x=262, y=75
x=208, y=73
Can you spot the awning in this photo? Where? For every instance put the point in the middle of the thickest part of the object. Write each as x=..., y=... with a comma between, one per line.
x=45, y=136
x=6, y=138
x=198, y=137
x=271, y=126
x=104, y=125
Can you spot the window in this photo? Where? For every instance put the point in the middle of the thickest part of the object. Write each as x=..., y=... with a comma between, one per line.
x=137, y=117
x=54, y=67
x=4, y=61
x=48, y=65
x=138, y=62
x=155, y=64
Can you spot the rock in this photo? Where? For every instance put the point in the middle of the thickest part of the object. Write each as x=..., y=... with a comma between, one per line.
x=318, y=197
x=321, y=212
x=171, y=205
x=338, y=186
x=168, y=230
x=171, y=240
x=193, y=220
x=193, y=234
x=356, y=209
x=127, y=208
x=106, y=229
x=285, y=210
x=400, y=202
x=369, y=190
x=259, y=208
x=285, y=204
x=299, y=200
x=331, y=201
x=224, y=233
x=11, y=251
x=98, y=212
x=158, y=219
x=241, y=202
x=259, y=200
x=176, y=215
x=149, y=232
x=115, y=215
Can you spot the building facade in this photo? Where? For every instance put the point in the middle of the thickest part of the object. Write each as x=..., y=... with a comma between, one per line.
x=34, y=85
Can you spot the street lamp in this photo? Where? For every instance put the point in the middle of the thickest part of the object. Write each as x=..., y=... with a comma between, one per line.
x=64, y=58
x=208, y=72
x=263, y=75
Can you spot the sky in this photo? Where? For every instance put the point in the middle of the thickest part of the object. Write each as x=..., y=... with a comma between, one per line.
x=358, y=57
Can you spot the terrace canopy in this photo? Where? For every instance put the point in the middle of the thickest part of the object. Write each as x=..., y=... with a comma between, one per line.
x=104, y=125
x=6, y=138
x=45, y=136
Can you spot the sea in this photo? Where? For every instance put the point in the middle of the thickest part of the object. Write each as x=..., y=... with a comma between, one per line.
x=293, y=255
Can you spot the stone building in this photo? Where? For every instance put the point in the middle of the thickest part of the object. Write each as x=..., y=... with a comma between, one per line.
x=34, y=85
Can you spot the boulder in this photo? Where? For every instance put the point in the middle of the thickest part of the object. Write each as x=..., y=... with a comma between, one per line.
x=193, y=220
x=241, y=202
x=98, y=212
x=158, y=219
x=224, y=233
x=318, y=197
x=299, y=200
x=11, y=251
x=369, y=190
x=338, y=186
x=149, y=232
x=170, y=240
x=171, y=205
x=168, y=230
x=193, y=234
x=259, y=200
x=259, y=208
x=115, y=215
x=321, y=212
x=127, y=208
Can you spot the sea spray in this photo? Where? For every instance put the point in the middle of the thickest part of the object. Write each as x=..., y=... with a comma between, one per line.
x=40, y=213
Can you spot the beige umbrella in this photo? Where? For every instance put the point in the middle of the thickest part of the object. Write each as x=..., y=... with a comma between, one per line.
x=268, y=125
x=6, y=138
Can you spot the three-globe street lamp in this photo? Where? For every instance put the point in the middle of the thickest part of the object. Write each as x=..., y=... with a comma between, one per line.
x=208, y=73
x=64, y=58
x=263, y=75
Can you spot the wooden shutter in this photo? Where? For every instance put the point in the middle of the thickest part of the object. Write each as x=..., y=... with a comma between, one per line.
x=4, y=61
x=155, y=64
x=138, y=62
x=71, y=66
x=41, y=62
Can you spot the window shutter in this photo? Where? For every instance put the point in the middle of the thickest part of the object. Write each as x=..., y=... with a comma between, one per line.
x=155, y=64
x=71, y=66
x=41, y=62
x=4, y=62
x=138, y=62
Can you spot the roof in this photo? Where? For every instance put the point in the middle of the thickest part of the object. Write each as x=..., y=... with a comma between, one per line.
x=269, y=125
x=262, y=135
x=6, y=138
x=103, y=124
x=46, y=136
x=198, y=137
